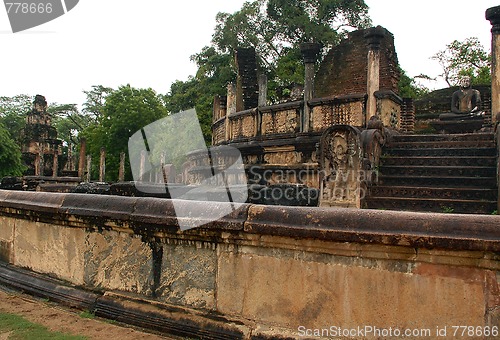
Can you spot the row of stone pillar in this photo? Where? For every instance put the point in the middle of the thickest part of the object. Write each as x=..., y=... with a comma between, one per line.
x=85, y=163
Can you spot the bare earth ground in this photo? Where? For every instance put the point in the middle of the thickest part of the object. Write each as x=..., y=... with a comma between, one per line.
x=60, y=319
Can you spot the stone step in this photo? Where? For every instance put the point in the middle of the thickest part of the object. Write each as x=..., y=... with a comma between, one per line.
x=432, y=205
x=443, y=181
x=442, y=152
x=463, y=193
x=440, y=161
x=444, y=137
x=443, y=144
x=438, y=171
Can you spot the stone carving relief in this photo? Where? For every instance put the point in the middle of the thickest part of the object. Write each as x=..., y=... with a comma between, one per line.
x=248, y=124
x=341, y=167
x=267, y=123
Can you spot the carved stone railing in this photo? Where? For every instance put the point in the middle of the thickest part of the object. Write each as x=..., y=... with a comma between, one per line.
x=219, y=131
x=243, y=124
x=345, y=110
x=287, y=118
x=281, y=118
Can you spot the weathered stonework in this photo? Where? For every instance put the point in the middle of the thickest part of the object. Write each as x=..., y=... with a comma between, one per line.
x=126, y=266
x=243, y=124
x=389, y=109
x=188, y=274
x=261, y=270
x=48, y=249
x=348, y=110
x=39, y=141
x=341, y=167
x=335, y=79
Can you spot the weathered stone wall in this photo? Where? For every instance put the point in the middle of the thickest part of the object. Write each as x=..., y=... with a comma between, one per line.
x=247, y=88
x=243, y=124
x=345, y=110
x=273, y=269
x=344, y=69
x=408, y=116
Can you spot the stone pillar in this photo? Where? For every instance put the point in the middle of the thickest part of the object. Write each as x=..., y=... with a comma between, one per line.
x=121, y=170
x=102, y=165
x=247, y=89
x=41, y=160
x=81, y=162
x=89, y=168
x=160, y=174
x=374, y=37
x=262, y=90
x=216, y=115
x=310, y=53
x=493, y=16
x=69, y=163
x=55, y=163
x=37, y=164
x=142, y=165
x=230, y=107
x=216, y=109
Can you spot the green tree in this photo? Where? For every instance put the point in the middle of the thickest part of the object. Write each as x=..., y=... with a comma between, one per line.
x=275, y=28
x=10, y=155
x=409, y=87
x=464, y=58
x=125, y=111
x=13, y=111
x=94, y=104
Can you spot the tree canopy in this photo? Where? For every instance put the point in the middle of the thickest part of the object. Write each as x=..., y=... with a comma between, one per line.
x=464, y=58
x=124, y=112
x=13, y=112
x=275, y=28
x=10, y=155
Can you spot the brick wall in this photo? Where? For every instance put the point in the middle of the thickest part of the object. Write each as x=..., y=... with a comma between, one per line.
x=344, y=69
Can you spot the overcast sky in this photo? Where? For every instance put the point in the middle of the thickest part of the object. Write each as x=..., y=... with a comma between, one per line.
x=147, y=43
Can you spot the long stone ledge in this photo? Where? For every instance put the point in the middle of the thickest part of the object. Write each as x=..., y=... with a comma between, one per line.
x=409, y=229
x=128, y=309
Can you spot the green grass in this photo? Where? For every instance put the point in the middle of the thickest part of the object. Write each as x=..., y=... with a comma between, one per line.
x=22, y=329
x=87, y=315
x=447, y=210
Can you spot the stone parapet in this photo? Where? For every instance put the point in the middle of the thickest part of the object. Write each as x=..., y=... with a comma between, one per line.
x=258, y=272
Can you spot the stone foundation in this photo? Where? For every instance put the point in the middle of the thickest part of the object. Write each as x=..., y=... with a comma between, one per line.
x=262, y=271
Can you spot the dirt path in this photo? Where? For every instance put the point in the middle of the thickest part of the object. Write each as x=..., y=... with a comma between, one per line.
x=57, y=318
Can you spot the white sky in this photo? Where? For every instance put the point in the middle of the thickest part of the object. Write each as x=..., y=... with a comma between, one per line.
x=147, y=43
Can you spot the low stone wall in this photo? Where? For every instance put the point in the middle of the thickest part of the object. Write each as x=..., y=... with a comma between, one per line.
x=265, y=271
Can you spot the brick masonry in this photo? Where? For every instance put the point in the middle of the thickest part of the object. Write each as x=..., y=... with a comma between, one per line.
x=344, y=69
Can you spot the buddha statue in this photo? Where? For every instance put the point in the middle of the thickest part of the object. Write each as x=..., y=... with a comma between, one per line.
x=465, y=103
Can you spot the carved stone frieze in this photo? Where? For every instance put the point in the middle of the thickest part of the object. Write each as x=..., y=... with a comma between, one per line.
x=282, y=158
x=341, y=167
x=328, y=114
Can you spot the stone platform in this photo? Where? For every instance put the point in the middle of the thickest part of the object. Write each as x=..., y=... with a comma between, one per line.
x=458, y=126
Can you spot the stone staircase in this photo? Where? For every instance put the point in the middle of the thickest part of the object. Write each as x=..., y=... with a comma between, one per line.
x=437, y=173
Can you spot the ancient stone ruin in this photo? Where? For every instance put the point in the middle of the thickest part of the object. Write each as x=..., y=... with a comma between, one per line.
x=41, y=150
x=281, y=272
x=325, y=148
x=296, y=146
